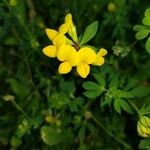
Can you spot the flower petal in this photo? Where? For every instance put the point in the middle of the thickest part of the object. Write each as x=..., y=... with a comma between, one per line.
x=99, y=61
x=51, y=33
x=50, y=51
x=59, y=39
x=68, y=19
x=102, y=52
x=71, y=27
x=87, y=55
x=64, y=28
x=83, y=70
x=64, y=68
x=68, y=53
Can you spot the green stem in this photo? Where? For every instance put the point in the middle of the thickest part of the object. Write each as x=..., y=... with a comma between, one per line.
x=30, y=76
x=111, y=135
x=19, y=108
x=134, y=107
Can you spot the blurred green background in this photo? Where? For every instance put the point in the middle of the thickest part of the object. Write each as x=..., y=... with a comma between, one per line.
x=34, y=90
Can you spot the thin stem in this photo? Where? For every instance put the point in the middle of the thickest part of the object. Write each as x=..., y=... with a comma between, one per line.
x=135, y=107
x=20, y=109
x=133, y=43
x=111, y=135
x=31, y=78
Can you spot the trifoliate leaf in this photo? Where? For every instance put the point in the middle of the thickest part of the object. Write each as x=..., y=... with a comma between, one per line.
x=89, y=32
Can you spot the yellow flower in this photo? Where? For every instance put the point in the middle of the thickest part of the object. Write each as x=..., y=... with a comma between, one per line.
x=86, y=56
x=143, y=126
x=57, y=40
x=99, y=57
x=69, y=52
x=68, y=55
x=69, y=27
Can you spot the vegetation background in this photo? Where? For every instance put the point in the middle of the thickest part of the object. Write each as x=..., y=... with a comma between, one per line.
x=42, y=110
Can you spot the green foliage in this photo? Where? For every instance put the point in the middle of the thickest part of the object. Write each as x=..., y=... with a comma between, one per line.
x=89, y=33
x=53, y=135
x=40, y=109
x=144, y=144
x=93, y=89
x=143, y=31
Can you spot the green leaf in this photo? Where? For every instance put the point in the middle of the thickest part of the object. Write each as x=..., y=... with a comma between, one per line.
x=124, y=94
x=20, y=89
x=147, y=45
x=89, y=32
x=114, y=82
x=125, y=106
x=145, y=109
x=89, y=85
x=142, y=34
x=144, y=144
x=67, y=86
x=138, y=27
x=20, y=10
x=140, y=91
x=146, y=21
x=50, y=135
x=117, y=106
x=100, y=79
x=58, y=100
x=147, y=12
x=92, y=93
x=16, y=141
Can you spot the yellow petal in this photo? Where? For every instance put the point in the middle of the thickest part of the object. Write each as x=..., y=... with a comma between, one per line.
x=59, y=39
x=51, y=33
x=83, y=70
x=145, y=129
x=50, y=51
x=68, y=19
x=64, y=68
x=102, y=52
x=68, y=53
x=87, y=55
x=64, y=28
x=142, y=134
x=99, y=61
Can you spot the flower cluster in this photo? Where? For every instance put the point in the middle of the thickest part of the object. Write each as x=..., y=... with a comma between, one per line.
x=143, y=126
x=67, y=49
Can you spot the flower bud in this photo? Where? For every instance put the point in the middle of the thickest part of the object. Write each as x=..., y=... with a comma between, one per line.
x=9, y=97
x=87, y=114
x=13, y=2
x=111, y=7
x=145, y=120
x=143, y=126
x=50, y=119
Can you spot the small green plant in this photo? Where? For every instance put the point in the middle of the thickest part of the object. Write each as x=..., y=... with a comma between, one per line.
x=143, y=31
